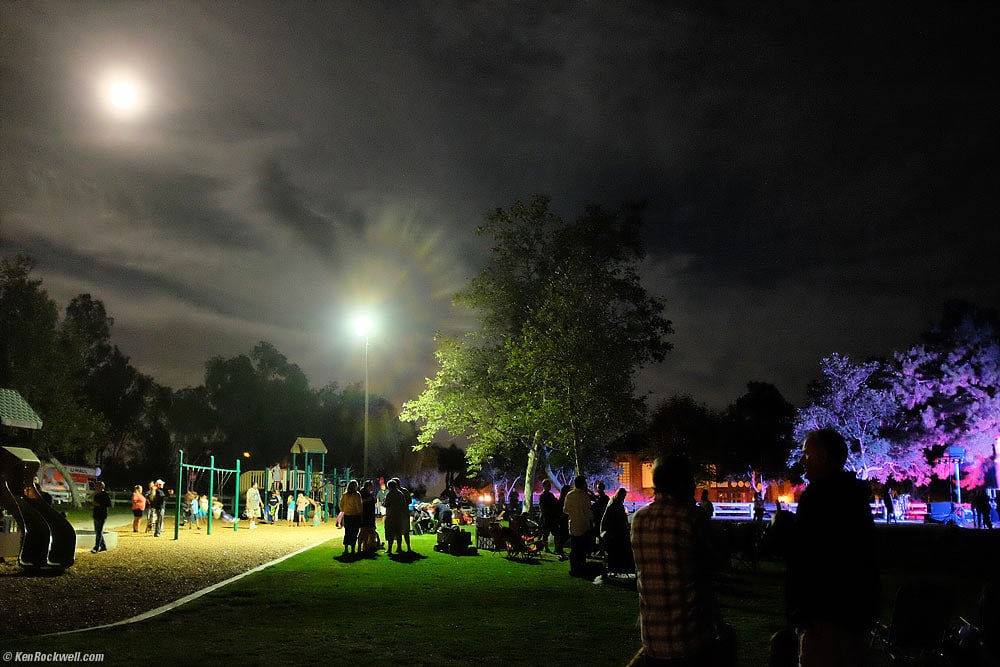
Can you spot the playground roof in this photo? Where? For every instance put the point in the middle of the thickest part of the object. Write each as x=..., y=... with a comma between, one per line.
x=305, y=445
x=15, y=411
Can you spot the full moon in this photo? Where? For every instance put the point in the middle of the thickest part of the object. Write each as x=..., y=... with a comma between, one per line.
x=123, y=94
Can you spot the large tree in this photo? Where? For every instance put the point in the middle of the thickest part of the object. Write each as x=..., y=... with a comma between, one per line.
x=44, y=359
x=109, y=384
x=565, y=323
x=857, y=400
x=950, y=387
x=759, y=428
x=261, y=403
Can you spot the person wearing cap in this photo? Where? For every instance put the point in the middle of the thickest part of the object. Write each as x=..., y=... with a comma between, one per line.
x=101, y=503
x=157, y=501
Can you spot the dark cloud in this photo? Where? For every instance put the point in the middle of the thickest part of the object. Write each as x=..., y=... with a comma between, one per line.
x=816, y=179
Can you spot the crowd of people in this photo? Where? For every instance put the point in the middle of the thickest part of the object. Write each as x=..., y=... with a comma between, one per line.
x=832, y=582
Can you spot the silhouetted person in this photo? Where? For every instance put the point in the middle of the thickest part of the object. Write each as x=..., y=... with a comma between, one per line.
x=832, y=583
x=981, y=506
x=890, y=508
x=101, y=503
x=549, y=512
x=615, y=535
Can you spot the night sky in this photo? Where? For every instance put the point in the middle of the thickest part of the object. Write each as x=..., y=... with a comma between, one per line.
x=816, y=181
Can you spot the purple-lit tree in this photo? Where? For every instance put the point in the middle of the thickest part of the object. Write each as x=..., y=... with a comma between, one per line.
x=950, y=387
x=857, y=400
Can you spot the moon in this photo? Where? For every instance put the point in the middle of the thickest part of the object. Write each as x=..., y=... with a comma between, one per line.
x=123, y=94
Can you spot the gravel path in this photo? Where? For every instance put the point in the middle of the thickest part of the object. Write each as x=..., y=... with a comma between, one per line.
x=140, y=574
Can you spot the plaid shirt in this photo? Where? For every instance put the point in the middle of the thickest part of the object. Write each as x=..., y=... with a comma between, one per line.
x=673, y=559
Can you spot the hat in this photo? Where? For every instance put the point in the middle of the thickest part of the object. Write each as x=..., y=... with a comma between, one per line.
x=159, y=482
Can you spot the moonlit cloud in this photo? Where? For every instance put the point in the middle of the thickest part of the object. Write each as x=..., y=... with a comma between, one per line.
x=815, y=180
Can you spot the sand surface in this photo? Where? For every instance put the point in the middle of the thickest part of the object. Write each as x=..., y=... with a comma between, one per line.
x=142, y=573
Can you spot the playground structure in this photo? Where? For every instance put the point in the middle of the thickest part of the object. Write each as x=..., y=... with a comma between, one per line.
x=47, y=541
x=211, y=470
x=311, y=480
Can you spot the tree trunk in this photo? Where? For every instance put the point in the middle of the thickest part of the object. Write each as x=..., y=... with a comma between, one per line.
x=75, y=500
x=529, y=473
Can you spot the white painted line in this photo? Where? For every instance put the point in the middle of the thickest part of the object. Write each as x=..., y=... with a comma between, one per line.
x=187, y=598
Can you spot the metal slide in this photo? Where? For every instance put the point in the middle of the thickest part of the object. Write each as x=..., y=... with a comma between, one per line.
x=48, y=540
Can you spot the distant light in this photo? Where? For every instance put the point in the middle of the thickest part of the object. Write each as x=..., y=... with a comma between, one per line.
x=363, y=325
x=246, y=455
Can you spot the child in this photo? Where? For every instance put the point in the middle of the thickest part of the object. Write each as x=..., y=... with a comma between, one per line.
x=195, y=506
x=317, y=513
x=290, y=510
x=301, y=509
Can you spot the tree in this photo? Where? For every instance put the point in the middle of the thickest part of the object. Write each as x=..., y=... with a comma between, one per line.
x=261, y=403
x=44, y=360
x=451, y=461
x=110, y=386
x=857, y=400
x=564, y=326
x=950, y=388
x=759, y=428
x=680, y=425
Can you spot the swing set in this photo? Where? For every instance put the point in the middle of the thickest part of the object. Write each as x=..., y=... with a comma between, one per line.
x=211, y=469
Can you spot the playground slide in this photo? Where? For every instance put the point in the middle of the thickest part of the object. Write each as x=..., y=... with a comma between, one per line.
x=48, y=540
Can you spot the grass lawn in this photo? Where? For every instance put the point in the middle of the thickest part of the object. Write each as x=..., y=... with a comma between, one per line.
x=433, y=610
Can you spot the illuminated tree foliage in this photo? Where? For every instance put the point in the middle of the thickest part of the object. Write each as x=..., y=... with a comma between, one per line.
x=950, y=387
x=564, y=325
x=857, y=400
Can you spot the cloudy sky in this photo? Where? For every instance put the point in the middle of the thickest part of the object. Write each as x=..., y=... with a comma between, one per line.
x=816, y=181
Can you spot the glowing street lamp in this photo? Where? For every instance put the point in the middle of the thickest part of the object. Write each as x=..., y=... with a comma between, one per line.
x=363, y=327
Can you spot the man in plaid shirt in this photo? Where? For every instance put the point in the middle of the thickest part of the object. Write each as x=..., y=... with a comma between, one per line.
x=674, y=561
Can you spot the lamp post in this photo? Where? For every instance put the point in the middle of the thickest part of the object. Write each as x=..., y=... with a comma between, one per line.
x=363, y=325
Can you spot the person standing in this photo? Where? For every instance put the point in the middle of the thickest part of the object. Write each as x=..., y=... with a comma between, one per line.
x=675, y=564
x=706, y=505
x=890, y=508
x=368, y=536
x=101, y=503
x=157, y=502
x=138, y=507
x=615, y=535
x=397, y=516
x=832, y=586
x=548, y=508
x=577, y=510
x=351, y=506
x=254, y=505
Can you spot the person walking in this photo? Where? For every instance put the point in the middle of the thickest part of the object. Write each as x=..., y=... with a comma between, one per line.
x=138, y=507
x=101, y=503
x=832, y=577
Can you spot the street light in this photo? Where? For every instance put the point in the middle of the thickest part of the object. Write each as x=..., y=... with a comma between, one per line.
x=363, y=326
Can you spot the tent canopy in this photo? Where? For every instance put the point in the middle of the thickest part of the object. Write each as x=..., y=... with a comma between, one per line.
x=15, y=411
x=308, y=446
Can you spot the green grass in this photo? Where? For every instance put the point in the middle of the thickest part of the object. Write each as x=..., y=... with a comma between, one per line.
x=434, y=610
